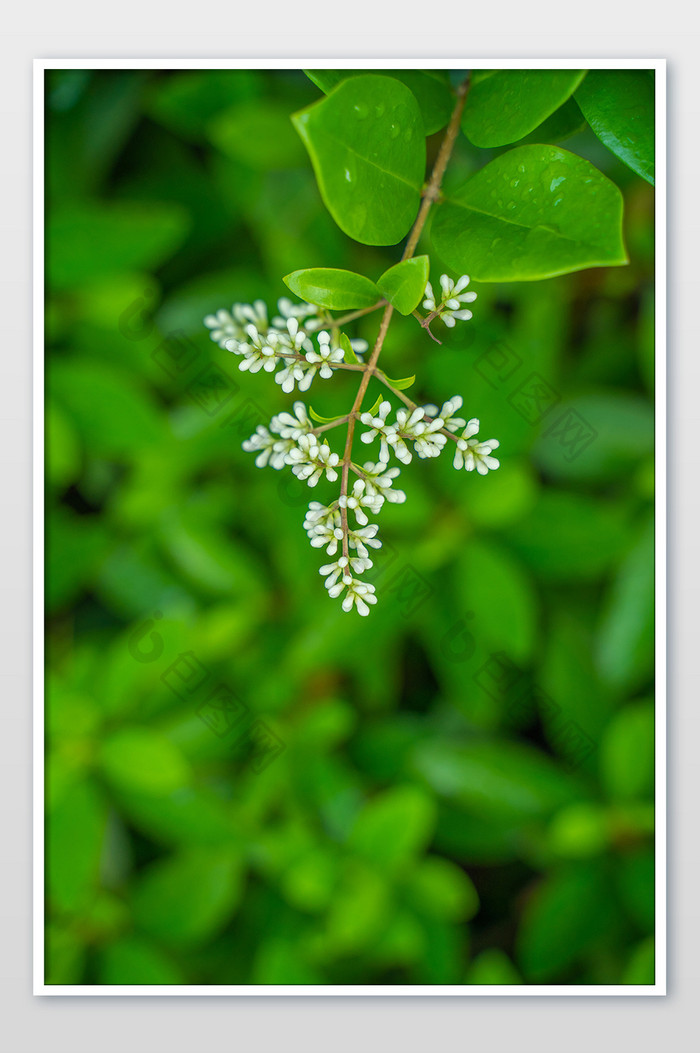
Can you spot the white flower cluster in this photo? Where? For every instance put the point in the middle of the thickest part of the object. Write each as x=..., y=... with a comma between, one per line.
x=286, y=341
x=343, y=528
x=449, y=306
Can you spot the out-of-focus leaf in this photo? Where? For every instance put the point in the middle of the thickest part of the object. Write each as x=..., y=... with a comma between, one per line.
x=569, y=537
x=596, y=437
x=563, y=123
x=627, y=752
x=625, y=646
x=493, y=967
x=259, y=134
x=641, y=966
x=87, y=241
x=503, y=105
x=115, y=415
x=635, y=883
x=187, y=101
x=394, y=827
x=498, y=779
x=619, y=106
x=442, y=890
x=567, y=913
x=534, y=212
x=366, y=144
x=132, y=960
x=75, y=837
x=500, y=595
x=186, y=898
x=140, y=759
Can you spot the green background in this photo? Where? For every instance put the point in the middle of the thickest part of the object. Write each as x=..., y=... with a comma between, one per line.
x=455, y=790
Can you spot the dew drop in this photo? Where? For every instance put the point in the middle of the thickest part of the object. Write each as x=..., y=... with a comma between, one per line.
x=521, y=169
x=361, y=110
x=394, y=130
x=408, y=134
x=379, y=109
x=514, y=183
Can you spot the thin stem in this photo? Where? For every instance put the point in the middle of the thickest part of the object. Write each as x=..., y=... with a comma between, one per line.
x=430, y=195
x=330, y=424
x=337, y=323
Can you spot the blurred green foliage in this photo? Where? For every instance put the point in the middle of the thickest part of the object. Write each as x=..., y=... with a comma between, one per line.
x=456, y=790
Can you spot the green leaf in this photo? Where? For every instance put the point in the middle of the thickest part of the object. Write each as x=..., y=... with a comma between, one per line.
x=75, y=838
x=495, y=587
x=619, y=106
x=503, y=105
x=640, y=968
x=140, y=759
x=335, y=289
x=394, y=827
x=367, y=146
x=493, y=967
x=564, y=122
x=323, y=420
x=187, y=898
x=625, y=646
x=430, y=87
x=404, y=284
x=132, y=960
x=375, y=405
x=258, y=134
x=402, y=384
x=494, y=780
x=350, y=355
x=627, y=753
x=569, y=911
x=440, y=889
x=589, y=536
x=89, y=241
x=535, y=212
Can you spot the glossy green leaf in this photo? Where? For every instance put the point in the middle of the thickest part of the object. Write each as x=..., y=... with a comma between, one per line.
x=366, y=143
x=431, y=88
x=187, y=897
x=534, y=212
x=564, y=122
x=403, y=285
x=504, y=105
x=619, y=106
x=493, y=585
x=337, y=290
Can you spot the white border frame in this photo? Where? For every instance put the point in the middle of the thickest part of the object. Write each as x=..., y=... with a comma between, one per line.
x=203, y=990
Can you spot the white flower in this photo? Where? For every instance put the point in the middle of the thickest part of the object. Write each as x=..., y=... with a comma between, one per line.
x=360, y=539
x=344, y=568
x=294, y=373
x=322, y=524
x=325, y=357
x=259, y=351
x=379, y=480
x=291, y=427
x=359, y=593
x=411, y=425
x=446, y=414
x=472, y=453
x=449, y=307
x=229, y=328
x=379, y=428
x=269, y=449
x=310, y=459
x=361, y=498
x=288, y=309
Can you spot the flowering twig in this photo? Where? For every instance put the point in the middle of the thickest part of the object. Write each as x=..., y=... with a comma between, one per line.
x=294, y=439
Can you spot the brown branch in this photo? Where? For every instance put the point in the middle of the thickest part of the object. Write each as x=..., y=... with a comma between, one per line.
x=430, y=195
